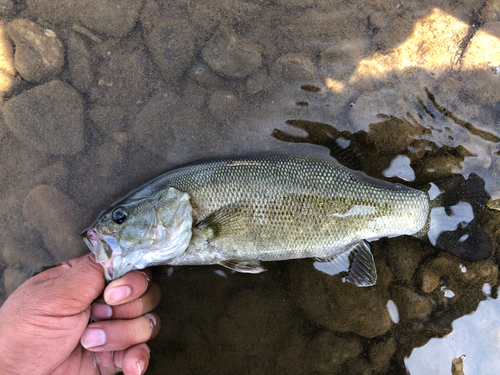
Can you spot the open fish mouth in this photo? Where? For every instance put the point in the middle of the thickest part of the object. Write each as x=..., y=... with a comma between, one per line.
x=105, y=248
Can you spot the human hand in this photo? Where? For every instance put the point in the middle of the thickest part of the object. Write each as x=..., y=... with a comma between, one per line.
x=44, y=324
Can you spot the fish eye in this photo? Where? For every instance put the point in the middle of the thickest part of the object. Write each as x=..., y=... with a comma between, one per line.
x=119, y=215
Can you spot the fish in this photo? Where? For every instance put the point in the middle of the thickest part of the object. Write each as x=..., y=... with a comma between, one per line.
x=239, y=212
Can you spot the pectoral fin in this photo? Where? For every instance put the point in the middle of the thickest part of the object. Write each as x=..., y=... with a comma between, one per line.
x=245, y=266
x=356, y=264
x=228, y=220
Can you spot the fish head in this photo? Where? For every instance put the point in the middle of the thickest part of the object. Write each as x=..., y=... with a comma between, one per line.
x=140, y=231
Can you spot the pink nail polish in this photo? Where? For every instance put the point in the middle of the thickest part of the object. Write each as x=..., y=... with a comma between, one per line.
x=93, y=337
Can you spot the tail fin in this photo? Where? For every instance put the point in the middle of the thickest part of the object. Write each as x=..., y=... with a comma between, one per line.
x=454, y=226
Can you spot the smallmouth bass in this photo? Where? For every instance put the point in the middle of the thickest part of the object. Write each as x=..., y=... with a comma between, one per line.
x=239, y=212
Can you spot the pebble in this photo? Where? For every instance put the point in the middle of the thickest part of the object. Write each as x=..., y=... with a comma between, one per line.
x=29, y=256
x=232, y=56
x=58, y=219
x=80, y=61
x=48, y=117
x=481, y=69
x=171, y=43
x=39, y=53
x=224, y=105
x=380, y=354
x=294, y=68
x=113, y=18
x=126, y=75
x=168, y=127
x=110, y=119
x=338, y=306
x=254, y=322
x=7, y=64
x=13, y=277
x=429, y=280
x=411, y=305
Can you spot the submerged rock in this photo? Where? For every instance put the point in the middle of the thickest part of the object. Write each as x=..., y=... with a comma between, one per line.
x=323, y=353
x=48, y=118
x=171, y=43
x=114, y=18
x=31, y=257
x=39, y=53
x=341, y=307
x=80, y=61
x=13, y=277
x=58, y=219
x=232, y=56
x=481, y=66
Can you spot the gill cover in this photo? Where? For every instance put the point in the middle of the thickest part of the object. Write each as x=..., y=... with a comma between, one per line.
x=153, y=233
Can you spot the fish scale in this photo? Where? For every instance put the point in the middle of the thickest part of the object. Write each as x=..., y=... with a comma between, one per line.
x=239, y=212
x=295, y=208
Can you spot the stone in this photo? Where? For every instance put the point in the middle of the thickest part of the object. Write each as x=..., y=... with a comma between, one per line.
x=381, y=353
x=224, y=105
x=429, y=280
x=7, y=64
x=404, y=255
x=114, y=18
x=126, y=75
x=171, y=43
x=48, y=118
x=168, y=127
x=249, y=313
x=13, y=277
x=58, y=219
x=57, y=12
x=80, y=62
x=480, y=68
x=294, y=68
x=109, y=119
x=411, y=305
x=31, y=257
x=39, y=53
x=258, y=83
x=232, y=56
x=338, y=306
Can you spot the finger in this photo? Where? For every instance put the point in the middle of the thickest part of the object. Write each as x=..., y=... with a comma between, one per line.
x=127, y=288
x=59, y=269
x=133, y=309
x=134, y=360
x=115, y=335
x=106, y=363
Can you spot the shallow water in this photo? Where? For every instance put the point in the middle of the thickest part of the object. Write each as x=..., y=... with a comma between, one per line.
x=411, y=86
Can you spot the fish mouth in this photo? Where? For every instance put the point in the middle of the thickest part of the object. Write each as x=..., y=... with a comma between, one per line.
x=105, y=248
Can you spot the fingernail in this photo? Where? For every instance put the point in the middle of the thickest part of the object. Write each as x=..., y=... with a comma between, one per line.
x=151, y=320
x=101, y=311
x=140, y=366
x=117, y=294
x=93, y=337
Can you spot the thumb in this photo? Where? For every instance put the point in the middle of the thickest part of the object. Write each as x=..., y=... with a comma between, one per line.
x=79, y=281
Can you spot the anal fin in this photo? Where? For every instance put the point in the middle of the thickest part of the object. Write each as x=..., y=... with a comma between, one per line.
x=245, y=266
x=356, y=264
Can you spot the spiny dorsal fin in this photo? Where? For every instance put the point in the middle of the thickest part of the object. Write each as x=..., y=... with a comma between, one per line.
x=228, y=220
x=245, y=266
